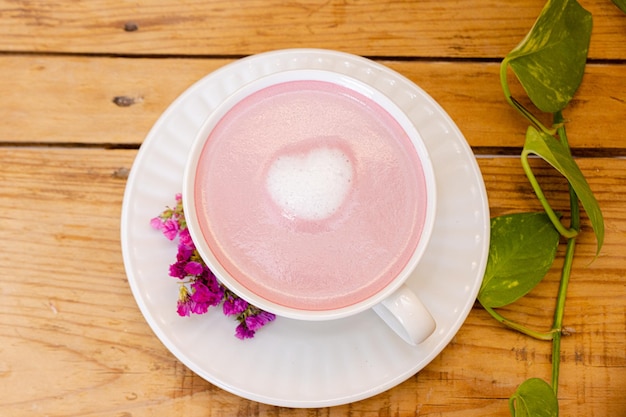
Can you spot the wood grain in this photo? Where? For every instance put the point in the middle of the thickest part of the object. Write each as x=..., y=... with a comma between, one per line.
x=401, y=28
x=73, y=342
x=83, y=82
x=115, y=101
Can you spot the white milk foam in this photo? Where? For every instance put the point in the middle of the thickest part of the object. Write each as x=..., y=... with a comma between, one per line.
x=312, y=185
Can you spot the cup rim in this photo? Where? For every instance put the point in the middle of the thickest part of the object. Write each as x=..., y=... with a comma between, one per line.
x=367, y=90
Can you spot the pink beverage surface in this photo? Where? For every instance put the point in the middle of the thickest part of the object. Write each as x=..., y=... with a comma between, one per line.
x=310, y=195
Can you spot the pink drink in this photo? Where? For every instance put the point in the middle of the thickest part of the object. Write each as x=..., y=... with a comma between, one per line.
x=310, y=195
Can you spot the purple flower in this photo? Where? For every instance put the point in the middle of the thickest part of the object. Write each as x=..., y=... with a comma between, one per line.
x=183, y=307
x=185, y=238
x=199, y=308
x=156, y=223
x=201, y=288
x=194, y=268
x=210, y=280
x=184, y=253
x=255, y=322
x=204, y=297
x=242, y=332
x=234, y=306
x=170, y=229
x=177, y=269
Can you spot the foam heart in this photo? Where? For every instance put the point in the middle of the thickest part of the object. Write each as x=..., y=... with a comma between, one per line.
x=312, y=185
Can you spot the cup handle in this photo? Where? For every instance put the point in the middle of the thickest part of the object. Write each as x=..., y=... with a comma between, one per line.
x=405, y=313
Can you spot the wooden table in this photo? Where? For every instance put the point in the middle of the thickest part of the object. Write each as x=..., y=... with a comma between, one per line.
x=82, y=83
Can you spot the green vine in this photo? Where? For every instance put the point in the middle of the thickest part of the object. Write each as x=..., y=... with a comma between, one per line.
x=549, y=64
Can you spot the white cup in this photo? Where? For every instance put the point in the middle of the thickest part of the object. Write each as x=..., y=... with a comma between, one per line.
x=394, y=301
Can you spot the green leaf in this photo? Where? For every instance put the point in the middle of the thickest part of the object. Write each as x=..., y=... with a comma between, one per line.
x=621, y=4
x=553, y=152
x=522, y=249
x=550, y=61
x=534, y=398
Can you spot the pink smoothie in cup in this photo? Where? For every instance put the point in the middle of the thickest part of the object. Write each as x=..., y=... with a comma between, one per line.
x=310, y=195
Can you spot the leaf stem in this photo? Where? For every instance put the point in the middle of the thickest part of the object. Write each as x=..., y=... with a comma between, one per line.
x=516, y=326
x=554, y=218
x=559, y=312
x=565, y=272
x=516, y=104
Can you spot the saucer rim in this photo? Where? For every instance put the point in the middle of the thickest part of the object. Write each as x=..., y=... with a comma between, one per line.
x=380, y=366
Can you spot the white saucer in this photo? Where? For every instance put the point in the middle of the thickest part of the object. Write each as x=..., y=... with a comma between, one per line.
x=306, y=364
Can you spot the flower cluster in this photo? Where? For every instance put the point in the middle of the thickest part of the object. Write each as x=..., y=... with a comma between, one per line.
x=200, y=289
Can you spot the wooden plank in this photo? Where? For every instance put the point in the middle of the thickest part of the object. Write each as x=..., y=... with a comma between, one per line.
x=72, y=99
x=434, y=28
x=73, y=341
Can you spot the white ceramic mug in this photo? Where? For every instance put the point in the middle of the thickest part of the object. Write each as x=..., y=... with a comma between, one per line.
x=284, y=182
